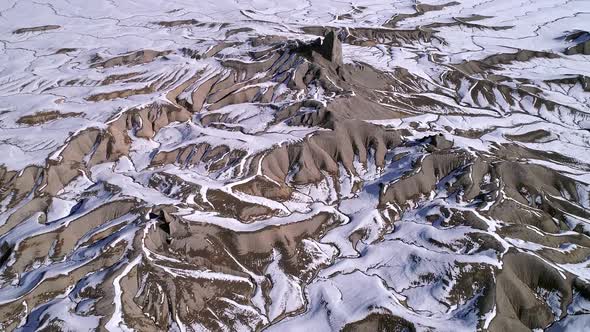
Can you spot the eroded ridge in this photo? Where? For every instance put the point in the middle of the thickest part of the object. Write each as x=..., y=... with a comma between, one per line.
x=288, y=166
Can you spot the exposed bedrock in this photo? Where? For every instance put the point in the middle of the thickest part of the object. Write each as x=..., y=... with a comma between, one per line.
x=324, y=151
x=383, y=167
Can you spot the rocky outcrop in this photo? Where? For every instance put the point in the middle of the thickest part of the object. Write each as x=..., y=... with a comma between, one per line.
x=321, y=167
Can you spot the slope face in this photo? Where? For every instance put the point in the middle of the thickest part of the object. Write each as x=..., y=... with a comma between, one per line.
x=290, y=166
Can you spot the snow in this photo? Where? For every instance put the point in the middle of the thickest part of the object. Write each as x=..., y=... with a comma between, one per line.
x=381, y=272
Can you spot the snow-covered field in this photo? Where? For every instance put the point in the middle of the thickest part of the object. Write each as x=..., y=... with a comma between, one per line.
x=295, y=165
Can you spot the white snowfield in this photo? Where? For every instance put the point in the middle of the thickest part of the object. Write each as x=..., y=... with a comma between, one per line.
x=35, y=77
x=54, y=62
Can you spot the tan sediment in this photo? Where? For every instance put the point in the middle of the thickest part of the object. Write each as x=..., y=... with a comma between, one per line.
x=170, y=24
x=228, y=205
x=131, y=59
x=116, y=78
x=428, y=173
x=48, y=289
x=477, y=66
x=215, y=249
x=380, y=322
x=59, y=243
x=370, y=36
x=420, y=9
x=323, y=151
x=45, y=116
x=519, y=308
x=18, y=184
x=520, y=194
x=530, y=136
x=40, y=28
x=65, y=50
x=260, y=186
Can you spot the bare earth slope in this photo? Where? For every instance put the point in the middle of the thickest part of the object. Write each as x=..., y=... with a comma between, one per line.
x=309, y=165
